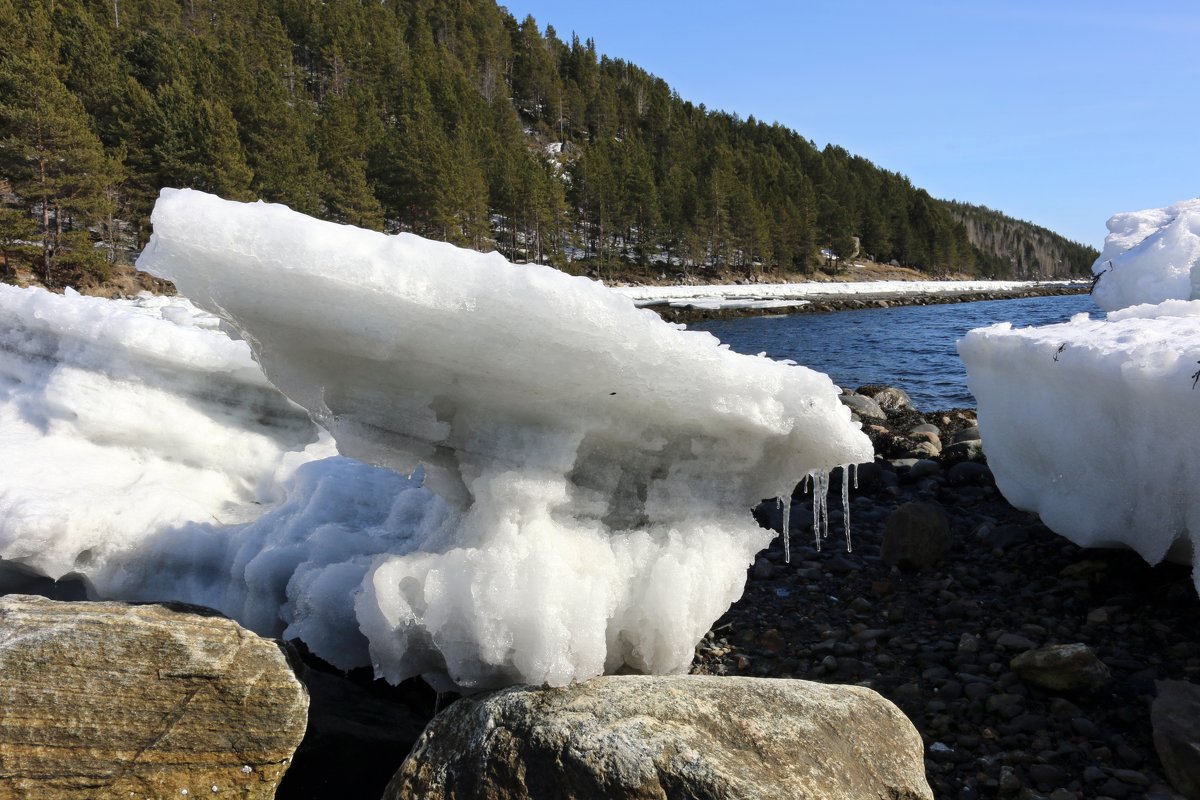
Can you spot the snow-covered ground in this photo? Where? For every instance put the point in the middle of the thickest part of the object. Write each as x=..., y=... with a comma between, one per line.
x=784, y=295
x=561, y=481
x=1089, y=423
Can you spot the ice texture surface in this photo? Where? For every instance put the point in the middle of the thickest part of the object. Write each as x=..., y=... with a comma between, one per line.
x=123, y=419
x=1086, y=423
x=1150, y=256
x=584, y=470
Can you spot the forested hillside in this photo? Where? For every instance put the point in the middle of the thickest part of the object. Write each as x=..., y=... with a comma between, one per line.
x=444, y=117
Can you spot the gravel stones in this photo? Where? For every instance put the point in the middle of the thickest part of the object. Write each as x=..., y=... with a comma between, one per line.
x=943, y=657
x=917, y=535
x=1062, y=668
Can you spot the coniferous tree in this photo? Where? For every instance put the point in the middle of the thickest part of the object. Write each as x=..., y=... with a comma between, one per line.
x=53, y=161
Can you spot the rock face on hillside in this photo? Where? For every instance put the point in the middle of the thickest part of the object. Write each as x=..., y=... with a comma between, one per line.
x=675, y=736
x=113, y=700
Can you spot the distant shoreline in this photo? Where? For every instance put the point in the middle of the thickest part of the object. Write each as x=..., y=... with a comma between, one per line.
x=685, y=311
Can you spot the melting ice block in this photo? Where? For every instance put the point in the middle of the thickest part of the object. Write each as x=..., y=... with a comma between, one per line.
x=122, y=419
x=1150, y=256
x=594, y=465
x=1087, y=423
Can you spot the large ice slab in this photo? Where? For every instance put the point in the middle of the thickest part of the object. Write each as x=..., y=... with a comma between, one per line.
x=595, y=463
x=1150, y=256
x=1088, y=423
x=120, y=419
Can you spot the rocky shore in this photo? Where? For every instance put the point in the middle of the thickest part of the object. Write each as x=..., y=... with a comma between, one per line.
x=1025, y=667
x=840, y=302
x=947, y=597
x=1029, y=666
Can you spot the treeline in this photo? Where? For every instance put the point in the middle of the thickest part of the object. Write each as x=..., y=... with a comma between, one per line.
x=1020, y=248
x=444, y=117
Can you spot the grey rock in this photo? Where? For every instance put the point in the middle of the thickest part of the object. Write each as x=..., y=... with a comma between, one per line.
x=917, y=535
x=966, y=435
x=1062, y=668
x=1006, y=705
x=668, y=736
x=969, y=473
x=926, y=436
x=865, y=407
x=891, y=398
x=115, y=700
x=964, y=451
x=1175, y=719
x=924, y=450
x=924, y=468
x=926, y=427
x=1014, y=641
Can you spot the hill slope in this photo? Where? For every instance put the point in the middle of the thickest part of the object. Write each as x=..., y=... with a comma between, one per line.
x=448, y=118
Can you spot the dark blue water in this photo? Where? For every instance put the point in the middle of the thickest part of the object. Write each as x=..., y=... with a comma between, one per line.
x=912, y=347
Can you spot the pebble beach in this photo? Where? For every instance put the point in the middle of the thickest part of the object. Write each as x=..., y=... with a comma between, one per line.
x=940, y=629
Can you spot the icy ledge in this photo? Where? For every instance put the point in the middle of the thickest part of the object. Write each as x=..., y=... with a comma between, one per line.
x=1087, y=423
x=593, y=465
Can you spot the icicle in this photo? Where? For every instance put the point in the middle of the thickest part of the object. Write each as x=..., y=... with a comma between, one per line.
x=820, y=488
x=824, y=487
x=787, y=539
x=846, y=504
x=854, y=468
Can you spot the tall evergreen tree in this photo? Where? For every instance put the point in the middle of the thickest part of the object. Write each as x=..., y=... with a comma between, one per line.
x=53, y=161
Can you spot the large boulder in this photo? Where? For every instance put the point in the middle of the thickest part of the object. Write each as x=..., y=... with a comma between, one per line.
x=1175, y=717
x=113, y=700
x=668, y=736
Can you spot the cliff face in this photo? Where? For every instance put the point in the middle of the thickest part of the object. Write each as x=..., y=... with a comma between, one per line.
x=1021, y=249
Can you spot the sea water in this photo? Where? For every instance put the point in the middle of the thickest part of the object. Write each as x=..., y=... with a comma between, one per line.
x=912, y=347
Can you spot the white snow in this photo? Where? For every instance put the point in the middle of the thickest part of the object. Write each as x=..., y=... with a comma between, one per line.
x=1150, y=256
x=120, y=419
x=583, y=471
x=1088, y=423
x=783, y=295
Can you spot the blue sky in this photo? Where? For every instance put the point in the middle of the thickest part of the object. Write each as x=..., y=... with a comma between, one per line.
x=1061, y=113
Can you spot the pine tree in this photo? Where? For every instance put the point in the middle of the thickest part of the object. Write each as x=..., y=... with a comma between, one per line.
x=53, y=161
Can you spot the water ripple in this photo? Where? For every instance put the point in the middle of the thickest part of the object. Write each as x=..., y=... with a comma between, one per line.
x=912, y=346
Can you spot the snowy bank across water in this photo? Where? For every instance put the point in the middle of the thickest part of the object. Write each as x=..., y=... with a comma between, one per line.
x=1085, y=422
x=588, y=469
x=792, y=295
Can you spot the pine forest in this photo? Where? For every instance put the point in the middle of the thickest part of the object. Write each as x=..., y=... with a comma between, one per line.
x=447, y=118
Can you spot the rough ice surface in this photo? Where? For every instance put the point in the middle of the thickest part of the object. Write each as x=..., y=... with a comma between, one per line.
x=1150, y=256
x=120, y=420
x=1087, y=422
x=580, y=472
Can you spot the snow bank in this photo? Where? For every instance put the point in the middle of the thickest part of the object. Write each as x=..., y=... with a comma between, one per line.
x=122, y=418
x=583, y=470
x=1150, y=256
x=784, y=295
x=1087, y=424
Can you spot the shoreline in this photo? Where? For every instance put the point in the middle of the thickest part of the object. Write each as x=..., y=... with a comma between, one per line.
x=681, y=311
x=941, y=639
